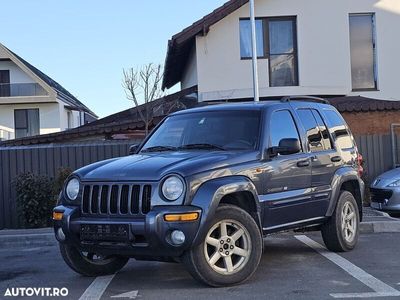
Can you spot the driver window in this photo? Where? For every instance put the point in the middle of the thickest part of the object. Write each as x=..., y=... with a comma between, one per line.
x=282, y=126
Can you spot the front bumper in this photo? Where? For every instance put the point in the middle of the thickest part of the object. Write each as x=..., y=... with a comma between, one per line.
x=385, y=199
x=148, y=235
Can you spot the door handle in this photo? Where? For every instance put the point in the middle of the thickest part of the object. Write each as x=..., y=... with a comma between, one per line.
x=336, y=159
x=303, y=163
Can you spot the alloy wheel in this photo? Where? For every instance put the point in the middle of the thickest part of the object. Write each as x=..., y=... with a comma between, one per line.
x=349, y=222
x=227, y=247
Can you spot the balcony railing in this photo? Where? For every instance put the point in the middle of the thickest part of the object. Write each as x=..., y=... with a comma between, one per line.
x=5, y=134
x=21, y=90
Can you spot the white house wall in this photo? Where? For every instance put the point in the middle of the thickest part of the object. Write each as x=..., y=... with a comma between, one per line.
x=48, y=115
x=323, y=50
x=16, y=74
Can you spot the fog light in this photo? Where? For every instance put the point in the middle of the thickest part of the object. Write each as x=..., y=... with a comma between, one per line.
x=60, y=234
x=177, y=237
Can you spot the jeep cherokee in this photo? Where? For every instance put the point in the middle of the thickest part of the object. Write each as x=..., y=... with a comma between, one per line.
x=209, y=183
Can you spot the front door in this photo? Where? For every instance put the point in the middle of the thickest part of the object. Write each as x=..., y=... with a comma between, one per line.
x=287, y=178
x=4, y=83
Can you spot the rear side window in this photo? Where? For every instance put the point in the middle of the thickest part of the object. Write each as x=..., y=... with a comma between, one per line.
x=338, y=129
x=282, y=126
x=314, y=135
x=324, y=131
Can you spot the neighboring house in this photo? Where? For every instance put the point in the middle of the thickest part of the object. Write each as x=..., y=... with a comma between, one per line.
x=31, y=103
x=305, y=47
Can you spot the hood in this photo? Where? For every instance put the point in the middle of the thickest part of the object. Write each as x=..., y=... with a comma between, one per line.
x=392, y=174
x=383, y=180
x=154, y=166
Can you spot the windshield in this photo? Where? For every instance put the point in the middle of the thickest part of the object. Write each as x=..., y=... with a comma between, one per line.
x=222, y=130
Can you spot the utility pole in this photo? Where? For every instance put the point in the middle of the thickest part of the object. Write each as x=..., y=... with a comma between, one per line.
x=254, y=51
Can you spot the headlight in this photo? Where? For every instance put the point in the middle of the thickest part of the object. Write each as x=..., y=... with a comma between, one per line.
x=72, y=189
x=394, y=183
x=173, y=188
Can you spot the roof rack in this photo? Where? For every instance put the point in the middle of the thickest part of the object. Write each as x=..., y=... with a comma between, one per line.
x=304, y=98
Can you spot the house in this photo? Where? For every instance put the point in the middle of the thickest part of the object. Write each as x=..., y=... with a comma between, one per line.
x=343, y=50
x=125, y=125
x=31, y=103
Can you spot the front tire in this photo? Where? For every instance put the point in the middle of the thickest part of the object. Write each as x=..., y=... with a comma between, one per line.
x=230, y=252
x=341, y=232
x=91, y=264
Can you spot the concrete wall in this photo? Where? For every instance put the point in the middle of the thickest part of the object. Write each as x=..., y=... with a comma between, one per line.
x=323, y=50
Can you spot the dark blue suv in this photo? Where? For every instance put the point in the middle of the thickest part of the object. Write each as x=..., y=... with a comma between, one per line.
x=209, y=183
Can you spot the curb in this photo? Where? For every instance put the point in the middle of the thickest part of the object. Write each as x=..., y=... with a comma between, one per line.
x=380, y=227
x=27, y=240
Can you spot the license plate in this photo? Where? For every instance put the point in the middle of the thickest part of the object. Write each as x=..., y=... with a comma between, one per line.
x=104, y=233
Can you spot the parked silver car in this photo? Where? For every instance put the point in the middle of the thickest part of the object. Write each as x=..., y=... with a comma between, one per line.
x=385, y=192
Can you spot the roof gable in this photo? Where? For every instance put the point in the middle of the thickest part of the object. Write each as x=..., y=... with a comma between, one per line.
x=61, y=92
x=181, y=43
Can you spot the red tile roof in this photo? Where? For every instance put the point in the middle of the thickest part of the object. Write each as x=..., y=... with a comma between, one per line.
x=363, y=104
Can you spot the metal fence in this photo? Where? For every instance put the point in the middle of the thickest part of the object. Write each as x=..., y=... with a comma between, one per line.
x=46, y=160
x=377, y=153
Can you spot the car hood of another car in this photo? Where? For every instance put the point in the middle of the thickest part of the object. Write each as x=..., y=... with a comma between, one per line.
x=154, y=166
x=392, y=174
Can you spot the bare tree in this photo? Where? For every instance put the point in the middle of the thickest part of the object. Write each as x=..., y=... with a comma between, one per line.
x=142, y=86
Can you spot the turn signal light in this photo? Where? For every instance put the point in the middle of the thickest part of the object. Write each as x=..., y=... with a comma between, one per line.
x=57, y=216
x=187, y=217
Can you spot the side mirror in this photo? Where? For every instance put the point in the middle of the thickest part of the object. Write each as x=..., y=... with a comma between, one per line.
x=133, y=149
x=286, y=147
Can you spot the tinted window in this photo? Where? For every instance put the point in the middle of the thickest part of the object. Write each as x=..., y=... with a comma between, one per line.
x=324, y=131
x=363, y=51
x=245, y=38
x=26, y=122
x=235, y=130
x=338, y=129
x=314, y=135
x=282, y=52
x=282, y=127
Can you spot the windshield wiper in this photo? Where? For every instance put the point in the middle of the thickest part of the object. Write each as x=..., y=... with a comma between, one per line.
x=202, y=146
x=159, y=149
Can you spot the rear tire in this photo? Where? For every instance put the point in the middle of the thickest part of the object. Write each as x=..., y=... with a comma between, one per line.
x=341, y=232
x=85, y=263
x=230, y=252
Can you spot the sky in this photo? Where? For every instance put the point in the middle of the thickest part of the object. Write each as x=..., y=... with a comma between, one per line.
x=85, y=45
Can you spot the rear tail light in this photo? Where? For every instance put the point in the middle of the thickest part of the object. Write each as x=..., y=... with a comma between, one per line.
x=360, y=164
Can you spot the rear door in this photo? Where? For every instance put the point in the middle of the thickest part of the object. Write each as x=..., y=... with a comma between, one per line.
x=325, y=159
x=287, y=178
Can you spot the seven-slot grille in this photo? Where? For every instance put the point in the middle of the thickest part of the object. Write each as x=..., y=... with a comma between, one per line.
x=116, y=199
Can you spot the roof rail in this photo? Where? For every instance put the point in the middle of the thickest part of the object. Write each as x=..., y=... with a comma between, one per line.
x=304, y=98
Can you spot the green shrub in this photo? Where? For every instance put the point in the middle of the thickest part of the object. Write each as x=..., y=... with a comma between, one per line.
x=35, y=200
x=61, y=177
x=37, y=195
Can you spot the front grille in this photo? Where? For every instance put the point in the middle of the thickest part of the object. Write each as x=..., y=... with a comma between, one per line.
x=379, y=195
x=116, y=199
